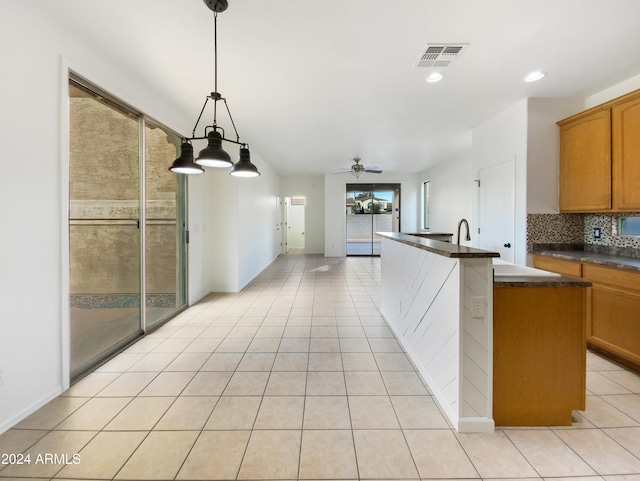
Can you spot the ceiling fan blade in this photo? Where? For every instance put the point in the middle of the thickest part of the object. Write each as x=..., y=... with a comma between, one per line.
x=373, y=171
x=345, y=172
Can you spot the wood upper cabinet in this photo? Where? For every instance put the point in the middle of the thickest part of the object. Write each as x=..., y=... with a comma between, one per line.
x=625, y=118
x=585, y=162
x=600, y=158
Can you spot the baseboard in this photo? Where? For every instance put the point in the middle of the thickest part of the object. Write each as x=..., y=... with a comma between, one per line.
x=476, y=425
x=26, y=412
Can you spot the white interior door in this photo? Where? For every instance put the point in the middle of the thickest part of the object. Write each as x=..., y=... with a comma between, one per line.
x=279, y=233
x=296, y=226
x=285, y=225
x=497, y=209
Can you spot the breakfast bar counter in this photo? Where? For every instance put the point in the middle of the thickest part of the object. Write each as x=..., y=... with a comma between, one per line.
x=495, y=348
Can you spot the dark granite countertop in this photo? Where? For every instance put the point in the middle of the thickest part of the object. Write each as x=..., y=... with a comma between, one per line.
x=538, y=281
x=603, y=259
x=445, y=249
x=427, y=234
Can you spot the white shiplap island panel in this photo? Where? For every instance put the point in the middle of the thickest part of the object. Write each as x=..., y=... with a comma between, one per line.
x=427, y=292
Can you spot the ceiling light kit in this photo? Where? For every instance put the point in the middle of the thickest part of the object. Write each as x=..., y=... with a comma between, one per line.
x=434, y=77
x=535, y=76
x=357, y=169
x=213, y=154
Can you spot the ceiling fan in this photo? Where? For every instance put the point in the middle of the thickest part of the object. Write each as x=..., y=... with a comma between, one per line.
x=357, y=169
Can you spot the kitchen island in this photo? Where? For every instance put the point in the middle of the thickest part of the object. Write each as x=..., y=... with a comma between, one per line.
x=539, y=346
x=439, y=300
x=429, y=290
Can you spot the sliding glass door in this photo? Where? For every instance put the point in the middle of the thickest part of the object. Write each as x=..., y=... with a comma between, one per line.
x=165, y=227
x=370, y=208
x=120, y=253
x=104, y=233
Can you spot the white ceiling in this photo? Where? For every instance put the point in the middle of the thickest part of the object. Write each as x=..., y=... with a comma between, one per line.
x=313, y=84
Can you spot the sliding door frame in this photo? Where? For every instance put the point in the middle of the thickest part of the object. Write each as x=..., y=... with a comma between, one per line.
x=69, y=75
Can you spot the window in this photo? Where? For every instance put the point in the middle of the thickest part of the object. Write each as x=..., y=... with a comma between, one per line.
x=629, y=226
x=426, y=204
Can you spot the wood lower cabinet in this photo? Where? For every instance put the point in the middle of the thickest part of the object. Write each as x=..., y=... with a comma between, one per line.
x=613, y=307
x=614, y=324
x=561, y=266
x=539, y=355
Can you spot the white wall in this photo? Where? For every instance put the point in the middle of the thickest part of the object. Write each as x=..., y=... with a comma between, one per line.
x=258, y=240
x=612, y=92
x=499, y=139
x=33, y=209
x=34, y=326
x=200, y=276
x=312, y=188
x=543, y=146
x=452, y=190
x=335, y=212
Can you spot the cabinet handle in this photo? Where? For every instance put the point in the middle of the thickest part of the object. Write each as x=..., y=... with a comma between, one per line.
x=507, y=245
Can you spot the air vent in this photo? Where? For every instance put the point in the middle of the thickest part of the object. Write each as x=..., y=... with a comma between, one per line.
x=440, y=55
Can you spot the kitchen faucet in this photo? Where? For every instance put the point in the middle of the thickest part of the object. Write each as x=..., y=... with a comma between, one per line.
x=463, y=221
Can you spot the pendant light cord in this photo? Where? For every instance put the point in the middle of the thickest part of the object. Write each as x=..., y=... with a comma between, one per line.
x=215, y=65
x=215, y=96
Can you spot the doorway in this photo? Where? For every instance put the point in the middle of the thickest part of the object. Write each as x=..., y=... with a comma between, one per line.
x=296, y=222
x=370, y=208
x=127, y=227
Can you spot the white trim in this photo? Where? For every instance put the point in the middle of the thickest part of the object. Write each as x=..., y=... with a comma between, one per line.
x=26, y=412
x=65, y=311
x=475, y=425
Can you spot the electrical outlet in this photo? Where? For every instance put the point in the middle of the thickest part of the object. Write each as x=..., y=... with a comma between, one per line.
x=477, y=307
x=597, y=233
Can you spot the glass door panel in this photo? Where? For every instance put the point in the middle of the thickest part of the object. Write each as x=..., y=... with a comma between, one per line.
x=359, y=220
x=104, y=234
x=165, y=253
x=384, y=210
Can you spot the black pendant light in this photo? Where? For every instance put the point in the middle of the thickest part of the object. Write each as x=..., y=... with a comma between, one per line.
x=244, y=167
x=213, y=155
x=184, y=164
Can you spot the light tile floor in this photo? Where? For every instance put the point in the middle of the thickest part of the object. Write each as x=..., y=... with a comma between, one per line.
x=298, y=377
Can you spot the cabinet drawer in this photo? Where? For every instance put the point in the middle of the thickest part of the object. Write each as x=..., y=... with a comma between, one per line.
x=567, y=268
x=613, y=277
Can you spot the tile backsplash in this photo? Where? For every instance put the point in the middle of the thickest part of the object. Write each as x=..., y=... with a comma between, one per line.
x=554, y=229
x=572, y=229
x=607, y=223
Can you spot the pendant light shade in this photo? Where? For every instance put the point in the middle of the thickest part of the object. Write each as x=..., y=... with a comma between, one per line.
x=184, y=164
x=213, y=155
x=244, y=167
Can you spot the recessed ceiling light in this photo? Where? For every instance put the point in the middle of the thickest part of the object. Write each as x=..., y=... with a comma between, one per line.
x=534, y=76
x=434, y=77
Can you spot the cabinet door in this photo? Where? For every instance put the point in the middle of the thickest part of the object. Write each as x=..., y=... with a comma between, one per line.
x=585, y=162
x=614, y=322
x=626, y=155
